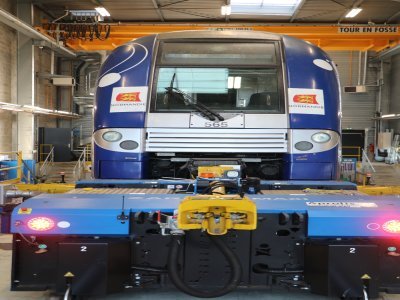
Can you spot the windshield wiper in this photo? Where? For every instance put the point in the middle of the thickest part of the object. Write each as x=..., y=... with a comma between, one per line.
x=187, y=99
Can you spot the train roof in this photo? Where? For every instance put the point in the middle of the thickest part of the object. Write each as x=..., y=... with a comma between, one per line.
x=211, y=34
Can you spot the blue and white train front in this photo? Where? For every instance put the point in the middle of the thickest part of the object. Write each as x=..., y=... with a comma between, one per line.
x=169, y=103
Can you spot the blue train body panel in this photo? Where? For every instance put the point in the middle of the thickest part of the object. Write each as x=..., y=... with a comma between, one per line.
x=128, y=65
x=328, y=215
x=304, y=73
x=311, y=166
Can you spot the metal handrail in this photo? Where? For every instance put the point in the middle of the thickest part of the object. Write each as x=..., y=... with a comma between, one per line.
x=41, y=151
x=48, y=162
x=80, y=165
x=367, y=162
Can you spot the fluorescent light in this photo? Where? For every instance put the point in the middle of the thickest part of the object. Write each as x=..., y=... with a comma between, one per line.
x=354, y=12
x=230, y=82
x=225, y=10
x=265, y=7
x=388, y=116
x=102, y=11
x=237, y=82
x=263, y=2
x=234, y=82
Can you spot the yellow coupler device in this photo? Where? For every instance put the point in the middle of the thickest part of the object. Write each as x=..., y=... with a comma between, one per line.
x=217, y=214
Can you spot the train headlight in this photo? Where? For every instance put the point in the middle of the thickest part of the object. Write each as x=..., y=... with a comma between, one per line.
x=112, y=136
x=321, y=137
x=129, y=145
x=303, y=146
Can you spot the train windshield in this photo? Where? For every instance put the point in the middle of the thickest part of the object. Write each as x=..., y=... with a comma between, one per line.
x=221, y=76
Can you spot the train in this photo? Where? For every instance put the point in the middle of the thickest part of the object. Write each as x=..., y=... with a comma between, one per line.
x=215, y=159
x=265, y=103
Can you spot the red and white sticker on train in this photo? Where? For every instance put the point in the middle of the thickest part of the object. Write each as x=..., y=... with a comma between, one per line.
x=129, y=99
x=306, y=101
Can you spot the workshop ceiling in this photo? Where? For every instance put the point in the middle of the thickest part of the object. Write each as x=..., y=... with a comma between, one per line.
x=173, y=11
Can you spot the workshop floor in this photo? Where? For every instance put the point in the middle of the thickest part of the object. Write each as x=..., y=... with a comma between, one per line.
x=5, y=294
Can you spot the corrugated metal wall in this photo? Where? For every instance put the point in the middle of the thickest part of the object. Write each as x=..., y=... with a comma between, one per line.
x=84, y=98
x=358, y=109
x=84, y=125
x=394, y=106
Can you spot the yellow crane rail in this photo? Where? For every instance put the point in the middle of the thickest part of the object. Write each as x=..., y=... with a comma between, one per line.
x=328, y=37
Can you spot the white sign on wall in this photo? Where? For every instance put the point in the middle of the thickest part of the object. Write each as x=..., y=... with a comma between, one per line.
x=368, y=29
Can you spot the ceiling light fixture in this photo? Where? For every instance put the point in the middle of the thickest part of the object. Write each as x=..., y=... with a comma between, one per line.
x=354, y=12
x=391, y=116
x=265, y=7
x=102, y=11
x=225, y=10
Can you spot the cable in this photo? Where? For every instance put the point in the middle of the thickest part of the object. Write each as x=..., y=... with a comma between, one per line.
x=365, y=294
x=260, y=270
x=174, y=272
x=67, y=293
x=149, y=269
x=98, y=28
x=26, y=240
x=91, y=34
x=217, y=184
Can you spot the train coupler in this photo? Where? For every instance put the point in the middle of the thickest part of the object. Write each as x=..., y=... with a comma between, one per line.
x=216, y=214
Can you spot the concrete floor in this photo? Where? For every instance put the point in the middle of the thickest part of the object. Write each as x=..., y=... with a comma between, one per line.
x=6, y=294
x=386, y=175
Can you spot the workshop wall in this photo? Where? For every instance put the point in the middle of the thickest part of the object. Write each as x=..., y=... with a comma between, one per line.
x=358, y=109
x=8, y=77
x=395, y=91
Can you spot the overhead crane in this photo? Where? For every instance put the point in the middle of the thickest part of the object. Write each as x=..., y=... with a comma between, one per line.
x=328, y=37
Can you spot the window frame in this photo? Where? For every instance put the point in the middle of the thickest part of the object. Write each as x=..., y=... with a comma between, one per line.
x=277, y=66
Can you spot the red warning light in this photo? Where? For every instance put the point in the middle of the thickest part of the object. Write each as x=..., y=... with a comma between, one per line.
x=40, y=224
x=392, y=226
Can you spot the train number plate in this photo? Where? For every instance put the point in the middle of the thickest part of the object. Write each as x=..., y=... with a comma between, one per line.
x=231, y=120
